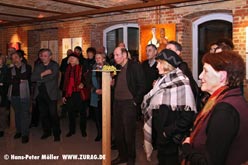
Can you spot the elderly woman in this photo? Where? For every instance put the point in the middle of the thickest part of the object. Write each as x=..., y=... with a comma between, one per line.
x=173, y=106
x=96, y=93
x=71, y=95
x=220, y=130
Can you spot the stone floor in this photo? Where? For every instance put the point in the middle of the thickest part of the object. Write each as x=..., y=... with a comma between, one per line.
x=75, y=144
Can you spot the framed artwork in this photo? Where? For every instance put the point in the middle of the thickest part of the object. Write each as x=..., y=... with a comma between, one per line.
x=44, y=44
x=70, y=43
x=66, y=44
x=157, y=34
x=76, y=42
x=16, y=45
x=53, y=46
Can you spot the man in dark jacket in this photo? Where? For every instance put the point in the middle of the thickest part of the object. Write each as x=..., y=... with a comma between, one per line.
x=129, y=91
x=46, y=75
x=149, y=66
x=151, y=71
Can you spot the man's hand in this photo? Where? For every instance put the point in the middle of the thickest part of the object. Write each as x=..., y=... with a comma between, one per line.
x=187, y=140
x=46, y=72
x=64, y=100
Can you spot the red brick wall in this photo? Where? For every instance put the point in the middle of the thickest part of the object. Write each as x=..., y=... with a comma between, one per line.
x=34, y=40
x=239, y=34
x=2, y=42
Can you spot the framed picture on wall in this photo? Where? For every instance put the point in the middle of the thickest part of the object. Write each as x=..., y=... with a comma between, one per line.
x=53, y=46
x=156, y=34
x=76, y=42
x=16, y=45
x=44, y=44
x=66, y=44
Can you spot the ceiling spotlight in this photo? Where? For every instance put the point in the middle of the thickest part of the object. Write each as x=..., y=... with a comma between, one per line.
x=40, y=16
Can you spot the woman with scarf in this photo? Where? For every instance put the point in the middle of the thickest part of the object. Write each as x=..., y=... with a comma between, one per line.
x=220, y=134
x=73, y=84
x=19, y=78
x=174, y=108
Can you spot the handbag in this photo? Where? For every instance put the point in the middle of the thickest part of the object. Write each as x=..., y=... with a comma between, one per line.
x=85, y=94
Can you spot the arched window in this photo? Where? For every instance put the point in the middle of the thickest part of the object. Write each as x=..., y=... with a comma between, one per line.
x=205, y=30
x=126, y=33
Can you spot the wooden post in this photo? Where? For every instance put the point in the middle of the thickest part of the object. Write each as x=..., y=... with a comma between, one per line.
x=106, y=117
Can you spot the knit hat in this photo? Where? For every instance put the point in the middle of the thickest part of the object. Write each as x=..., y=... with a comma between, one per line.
x=73, y=55
x=170, y=56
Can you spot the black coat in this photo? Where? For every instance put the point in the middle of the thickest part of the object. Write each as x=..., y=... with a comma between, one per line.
x=194, y=87
x=151, y=74
x=4, y=86
x=172, y=127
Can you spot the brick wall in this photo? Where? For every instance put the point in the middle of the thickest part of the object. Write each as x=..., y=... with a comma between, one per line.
x=239, y=35
x=91, y=29
x=2, y=43
x=34, y=41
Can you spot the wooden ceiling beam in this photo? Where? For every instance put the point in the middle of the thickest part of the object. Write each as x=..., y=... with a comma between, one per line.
x=30, y=8
x=105, y=10
x=16, y=15
x=3, y=20
x=78, y=4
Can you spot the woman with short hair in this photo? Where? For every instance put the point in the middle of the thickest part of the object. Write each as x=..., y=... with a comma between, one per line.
x=220, y=129
x=96, y=93
x=71, y=95
x=173, y=105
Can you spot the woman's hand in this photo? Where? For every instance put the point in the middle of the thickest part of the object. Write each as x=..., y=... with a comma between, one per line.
x=64, y=100
x=112, y=82
x=99, y=91
x=81, y=85
x=187, y=140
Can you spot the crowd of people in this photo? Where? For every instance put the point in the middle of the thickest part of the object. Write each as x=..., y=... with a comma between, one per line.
x=185, y=123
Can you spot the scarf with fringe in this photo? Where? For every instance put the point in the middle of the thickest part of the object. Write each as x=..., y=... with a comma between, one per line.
x=173, y=90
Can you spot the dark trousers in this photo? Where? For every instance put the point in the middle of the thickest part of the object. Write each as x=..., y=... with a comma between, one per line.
x=125, y=128
x=3, y=118
x=73, y=105
x=35, y=113
x=22, y=114
x=98, y=118
x=49, y=114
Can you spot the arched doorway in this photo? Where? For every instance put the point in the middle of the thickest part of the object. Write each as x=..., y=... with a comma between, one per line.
x=205, y=30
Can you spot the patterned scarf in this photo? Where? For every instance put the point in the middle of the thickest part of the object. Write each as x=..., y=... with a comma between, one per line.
x=72, y=79
x=213, y=99
x=172, y=90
